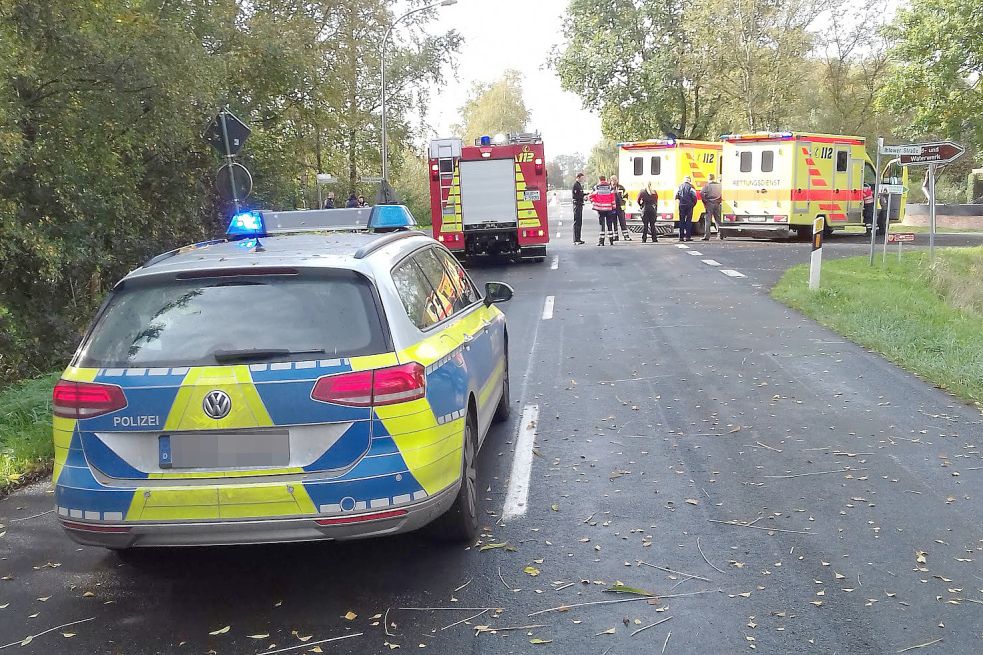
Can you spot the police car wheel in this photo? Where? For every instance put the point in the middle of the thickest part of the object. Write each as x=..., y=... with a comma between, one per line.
x=504, y=408
x=460, y=523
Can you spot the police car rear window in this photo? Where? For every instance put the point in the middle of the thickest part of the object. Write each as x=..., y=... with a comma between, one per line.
x=230, y=320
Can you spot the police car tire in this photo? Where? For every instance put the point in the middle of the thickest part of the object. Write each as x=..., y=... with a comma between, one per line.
x=504, y=408
x=460, y=523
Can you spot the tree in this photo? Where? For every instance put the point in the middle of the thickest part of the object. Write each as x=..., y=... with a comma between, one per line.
x=493, y=108
x=569, y=166
x=938, y=53
x=603, y=160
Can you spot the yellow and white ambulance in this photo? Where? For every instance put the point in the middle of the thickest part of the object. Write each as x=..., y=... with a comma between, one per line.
x=665, y=162
x=777, y=183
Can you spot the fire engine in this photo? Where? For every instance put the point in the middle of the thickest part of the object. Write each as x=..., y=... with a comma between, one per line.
x=665, y=162
x=490, y=198
x=777, y=183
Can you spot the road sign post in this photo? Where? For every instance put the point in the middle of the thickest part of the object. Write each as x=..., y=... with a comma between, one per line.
x=931, y=211
x=887, y=224
x=877, y=190
x=227, y=134
x=900, y=238
x=816, y=258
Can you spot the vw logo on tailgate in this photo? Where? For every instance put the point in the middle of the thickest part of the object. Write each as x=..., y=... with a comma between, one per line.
x=217, y=404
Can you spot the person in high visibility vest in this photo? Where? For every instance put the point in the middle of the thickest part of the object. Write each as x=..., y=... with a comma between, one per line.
x=603, y=201
x=868, y=196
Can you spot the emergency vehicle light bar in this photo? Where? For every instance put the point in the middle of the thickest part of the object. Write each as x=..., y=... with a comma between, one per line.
x=651, y=143
x=757, y=136
x=251, y=224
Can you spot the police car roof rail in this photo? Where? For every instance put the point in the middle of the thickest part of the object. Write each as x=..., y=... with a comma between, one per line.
x=384, y=241
x=156, y=259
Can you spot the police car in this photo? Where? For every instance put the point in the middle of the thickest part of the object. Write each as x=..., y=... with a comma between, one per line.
x=306, y=378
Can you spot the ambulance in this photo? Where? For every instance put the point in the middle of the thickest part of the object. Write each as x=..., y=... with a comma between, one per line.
x=665, y=162
x=490, y=198
x=777, y=183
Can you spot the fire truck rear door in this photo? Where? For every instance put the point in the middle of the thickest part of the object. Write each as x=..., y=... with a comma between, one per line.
x=488, y=192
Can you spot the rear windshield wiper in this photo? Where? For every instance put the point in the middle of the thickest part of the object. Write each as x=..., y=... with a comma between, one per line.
x=256, y=354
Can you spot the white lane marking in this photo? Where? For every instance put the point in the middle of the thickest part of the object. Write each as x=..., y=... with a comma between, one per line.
x=695, y=253
x=548, y=308
x=559, y=234
x=517, y=497
x=731, y=273
x=682, y=245
x=561, y=223
x=555, y=264
x=711, y=262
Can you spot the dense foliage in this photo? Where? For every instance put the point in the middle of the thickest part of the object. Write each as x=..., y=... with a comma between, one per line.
x=102, y=106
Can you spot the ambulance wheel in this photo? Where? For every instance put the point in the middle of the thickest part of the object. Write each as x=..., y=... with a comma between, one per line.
x=504, y=408
x=803, y=232
x=460, y=523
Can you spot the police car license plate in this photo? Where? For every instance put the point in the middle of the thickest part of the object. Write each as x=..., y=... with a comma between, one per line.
x=224, y=450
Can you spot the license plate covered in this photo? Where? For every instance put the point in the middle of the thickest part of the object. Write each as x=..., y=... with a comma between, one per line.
x=224, y=450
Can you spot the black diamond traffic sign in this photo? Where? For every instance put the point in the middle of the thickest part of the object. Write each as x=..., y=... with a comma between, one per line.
x=237, y=130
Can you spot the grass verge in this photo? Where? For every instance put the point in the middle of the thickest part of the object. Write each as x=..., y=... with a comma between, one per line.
x=924, y=317
x=25, y=432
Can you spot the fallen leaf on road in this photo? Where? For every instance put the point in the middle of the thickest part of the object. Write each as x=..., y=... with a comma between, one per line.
x=555, y=507
x=624, y=589
x=392, y=646
x=921, y=556
x=44, y=599
x=537, y=640
x=262, y=636
x=220, y=631
x=692, y=501
x=88, y=594
x=609, y=631
x=531, y=570
x=506, y=545
x=68, y=635
x=26, y=641
x=351, y=616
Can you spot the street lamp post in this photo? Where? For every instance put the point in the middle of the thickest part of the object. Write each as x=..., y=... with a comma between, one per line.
x=385, y=135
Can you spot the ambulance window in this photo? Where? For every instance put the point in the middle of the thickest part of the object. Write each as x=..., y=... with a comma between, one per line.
x=767, y=161
x=638, y=165
x=841, y=161
x=746, y=161
x=656, y=166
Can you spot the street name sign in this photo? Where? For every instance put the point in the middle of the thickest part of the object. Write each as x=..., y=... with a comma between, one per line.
x=932, y=153
x=892, y=188
x=901, y=150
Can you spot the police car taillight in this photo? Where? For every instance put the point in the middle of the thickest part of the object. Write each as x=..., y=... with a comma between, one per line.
x=86, y=399
x=384, y=386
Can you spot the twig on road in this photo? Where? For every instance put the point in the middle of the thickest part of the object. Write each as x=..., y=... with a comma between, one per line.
x=927, y=643
x=764, y=445
x=507, y=586
x=463, y=620
x=564, y=608
x=385, y=624
x=464, y=585
x=650, y=626
x=802, y=475
x=705, y=557
x=30, y=638
x=442, y=609
x=28, y=518
x=667, y=641
x=480, y=629
x=759, y=527
x=668, y=570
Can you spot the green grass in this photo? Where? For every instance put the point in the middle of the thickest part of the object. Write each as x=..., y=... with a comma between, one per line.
x=927, y=318
x=25, y=431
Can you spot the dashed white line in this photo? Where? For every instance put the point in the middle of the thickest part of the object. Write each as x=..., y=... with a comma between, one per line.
x=517, y=497
x=555, y=264
x=711, y=262
x=695, y=253
x=548, y=308
x=731, y=273
x=682, y=245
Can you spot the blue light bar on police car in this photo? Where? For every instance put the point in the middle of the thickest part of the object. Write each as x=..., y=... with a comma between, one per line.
x=355, y=219
x=246, y=224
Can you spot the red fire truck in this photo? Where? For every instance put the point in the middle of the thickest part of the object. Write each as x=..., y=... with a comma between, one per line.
x=490, y=198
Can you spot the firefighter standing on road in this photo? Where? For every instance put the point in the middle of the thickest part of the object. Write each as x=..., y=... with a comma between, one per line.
x=686, y=197
x=868, y=196
x=603, y=201
x=648, y=200
x=712, y=197
x=620, y=197
x=578, y=208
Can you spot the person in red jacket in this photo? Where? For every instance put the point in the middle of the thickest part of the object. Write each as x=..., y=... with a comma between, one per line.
x=603, y=201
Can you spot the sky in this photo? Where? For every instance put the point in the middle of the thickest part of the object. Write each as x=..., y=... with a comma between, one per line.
x=519, y=34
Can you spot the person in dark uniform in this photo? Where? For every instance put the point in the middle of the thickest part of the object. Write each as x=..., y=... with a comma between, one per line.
x=648, y=200
x=578, y=208
x=686, y=197
x=621, y=196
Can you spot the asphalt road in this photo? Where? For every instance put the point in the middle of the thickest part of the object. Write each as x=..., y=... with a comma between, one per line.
x=779, y=490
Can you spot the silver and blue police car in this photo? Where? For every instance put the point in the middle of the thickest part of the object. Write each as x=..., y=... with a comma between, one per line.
x=316, y=375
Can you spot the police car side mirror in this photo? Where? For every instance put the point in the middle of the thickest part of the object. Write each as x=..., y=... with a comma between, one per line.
x=496, y=292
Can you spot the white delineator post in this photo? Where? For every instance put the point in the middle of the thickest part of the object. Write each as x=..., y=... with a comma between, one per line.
x=816, y=258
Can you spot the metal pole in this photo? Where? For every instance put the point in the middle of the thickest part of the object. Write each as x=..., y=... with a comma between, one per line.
x=382, y=76
x=229, y=160
x=887, y=227
x=931, y=211
x=877, y=190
